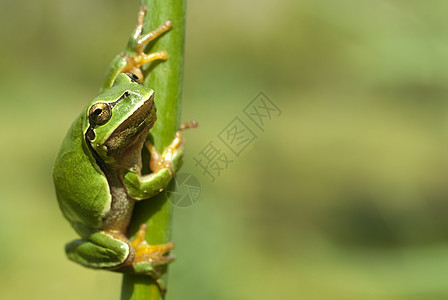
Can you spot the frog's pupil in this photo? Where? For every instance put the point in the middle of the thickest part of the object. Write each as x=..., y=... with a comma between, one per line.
x=97, y=111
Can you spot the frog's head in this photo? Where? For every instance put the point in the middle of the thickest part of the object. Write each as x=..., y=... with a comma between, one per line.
x=119, y=119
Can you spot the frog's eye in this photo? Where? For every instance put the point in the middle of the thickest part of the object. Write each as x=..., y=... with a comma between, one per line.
x=99, y=113
x=133, y=77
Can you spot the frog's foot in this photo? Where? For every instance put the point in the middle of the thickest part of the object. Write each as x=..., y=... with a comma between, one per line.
x=142, y=40
x=149, y=258
x=139, y=58
x=169, y=159
x=151, y=253
x=134, y=62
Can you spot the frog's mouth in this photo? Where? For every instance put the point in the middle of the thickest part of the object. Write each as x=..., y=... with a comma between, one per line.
x=128, y=132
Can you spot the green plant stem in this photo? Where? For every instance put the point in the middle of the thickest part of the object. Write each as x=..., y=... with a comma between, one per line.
x=165, y=78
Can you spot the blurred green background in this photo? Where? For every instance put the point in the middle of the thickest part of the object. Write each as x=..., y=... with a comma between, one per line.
x=343, y=196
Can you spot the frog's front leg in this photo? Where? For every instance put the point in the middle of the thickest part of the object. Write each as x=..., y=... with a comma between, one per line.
x=131, y=60
x=163, y=166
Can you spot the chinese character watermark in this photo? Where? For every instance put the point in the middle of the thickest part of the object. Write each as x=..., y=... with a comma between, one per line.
x=216, y=156
x=211, y=160
x=261, y=110
x=237, y=136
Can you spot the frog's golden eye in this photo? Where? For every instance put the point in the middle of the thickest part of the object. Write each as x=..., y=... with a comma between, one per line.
x=99, y=113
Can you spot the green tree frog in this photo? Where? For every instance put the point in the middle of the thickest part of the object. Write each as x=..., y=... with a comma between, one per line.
x=97, y=173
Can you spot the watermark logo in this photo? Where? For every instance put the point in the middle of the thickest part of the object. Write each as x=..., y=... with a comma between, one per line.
x=184, y=191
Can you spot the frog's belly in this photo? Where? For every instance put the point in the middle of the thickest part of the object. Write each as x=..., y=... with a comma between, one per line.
x=120, y=213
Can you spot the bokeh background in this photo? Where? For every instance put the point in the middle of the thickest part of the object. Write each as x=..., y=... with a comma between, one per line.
x=342, y=196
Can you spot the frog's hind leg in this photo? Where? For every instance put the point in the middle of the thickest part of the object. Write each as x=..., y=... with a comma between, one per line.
x=149, y=258
x=143, y=249
x=100, y=251
x=103, y=250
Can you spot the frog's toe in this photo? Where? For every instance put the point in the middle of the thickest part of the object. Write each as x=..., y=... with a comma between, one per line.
x=188, y=125
x=143, y=250
x=153, y=254
x=155, y=260
x=150, y=258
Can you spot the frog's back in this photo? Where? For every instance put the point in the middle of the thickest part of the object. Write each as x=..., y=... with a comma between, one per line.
x=81, y=187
